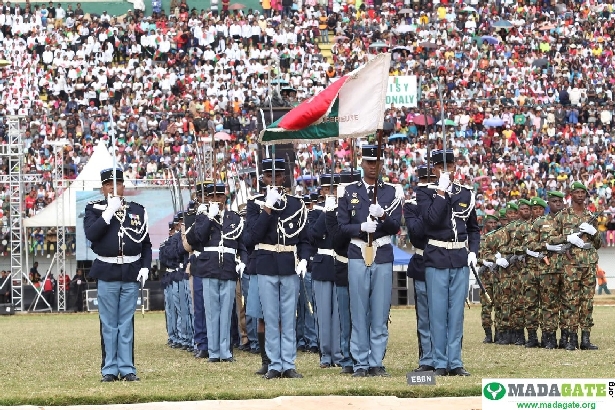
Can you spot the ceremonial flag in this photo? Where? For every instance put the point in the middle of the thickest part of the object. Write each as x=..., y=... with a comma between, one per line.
x=351, y=107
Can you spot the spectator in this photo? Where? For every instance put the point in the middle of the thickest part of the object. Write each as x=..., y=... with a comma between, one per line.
x=78, y=285
x=602, y=285
x=34, y=276
x=5, y=287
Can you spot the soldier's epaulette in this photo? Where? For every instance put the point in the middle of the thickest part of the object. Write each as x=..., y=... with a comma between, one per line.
x=399, y=190
x=411, y=201
x=471, y=188
x=256, y=196
x=341, y=188
x=96, y=201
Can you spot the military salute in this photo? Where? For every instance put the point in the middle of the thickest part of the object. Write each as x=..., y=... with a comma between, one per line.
x=277, y=229
x=369, y=275
x=416, y=271
x=450, y=220
x=119, y=235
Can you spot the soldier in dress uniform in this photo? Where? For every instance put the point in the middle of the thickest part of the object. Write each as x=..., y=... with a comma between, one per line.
x=166, y=279
x=323, y=277
x=579, y=282
x=341, y=241
x=217, y=243
x=185, y=295
x=486, y=275
x=369, y=276
x=278, y=232
x=450, y=220
x=119, y=234
x=416, y=270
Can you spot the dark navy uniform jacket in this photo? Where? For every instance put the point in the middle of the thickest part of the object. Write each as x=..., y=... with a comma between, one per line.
x=416, y=233
x=165, y=278
x=105, y=241
x=254, y=203
x=172, y=258
x=323, y=266
x=205, y=233
x=353, y=210
x=183, y=255
x=451, y=218
x=340, y=245
x=269, y=229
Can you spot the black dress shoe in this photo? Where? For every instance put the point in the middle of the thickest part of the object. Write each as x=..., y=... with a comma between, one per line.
x=108, y=378
x=245, y=347
x=292, y=374
x=378, y=372
x=313, y=349
x=255, y=350
x=441, y=372
x=325, y=365
x=130, y=377
x=360, y=373
x=190, y=349
x=302, y=348
x=201, y=354
x=459, y=371
x=230, y=359
x=272, y=374
x=213, y=360
x=347, y=370
x=185, y=347
x=424, y=368
x=176, y=346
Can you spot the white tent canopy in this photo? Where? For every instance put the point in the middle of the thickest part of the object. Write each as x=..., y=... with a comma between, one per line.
x=87, y=180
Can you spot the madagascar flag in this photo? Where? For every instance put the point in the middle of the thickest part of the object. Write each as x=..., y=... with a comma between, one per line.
x=351, y=107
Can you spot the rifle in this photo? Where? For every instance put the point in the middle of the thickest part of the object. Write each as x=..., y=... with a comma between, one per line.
x=567, y=246
x=479, y=282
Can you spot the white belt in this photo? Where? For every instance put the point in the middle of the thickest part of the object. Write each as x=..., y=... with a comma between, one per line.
x=418, y=252
x=376, y=243
x=221, y=249
x=447, y=245
x=341, y=258
x=119, y=260
x=275, y=248
x=329, y=252
x=171, y=270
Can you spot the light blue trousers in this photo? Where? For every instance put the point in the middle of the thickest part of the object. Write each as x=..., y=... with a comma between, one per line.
x=422, y=323
x=219, y=296
x=327, y=322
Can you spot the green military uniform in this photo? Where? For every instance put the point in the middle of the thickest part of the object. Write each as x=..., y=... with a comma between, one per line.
x=486, y=276
x=579, y=281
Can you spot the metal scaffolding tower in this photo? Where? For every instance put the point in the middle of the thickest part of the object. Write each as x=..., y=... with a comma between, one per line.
x=13, y=152
x=60, y=226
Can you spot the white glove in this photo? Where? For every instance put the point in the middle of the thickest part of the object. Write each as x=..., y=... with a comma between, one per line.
x=240, y=268
x=142, y=276
x=202, y=209
x=535, y=254
x=554, y=248
x=330, y=203
x=376, y=210
x=114, y=203
x=472, y=259
x=273, y=196
x=301, y=268
x=502, y=262
x=79, y=282
x=574, y=239
x=487, y=264
x=444, y=182
x=498, y=255
x=369, y=226
x=588, y=229
x=214, y=210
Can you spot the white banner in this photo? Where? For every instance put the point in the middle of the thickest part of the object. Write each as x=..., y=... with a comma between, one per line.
x=402, y=92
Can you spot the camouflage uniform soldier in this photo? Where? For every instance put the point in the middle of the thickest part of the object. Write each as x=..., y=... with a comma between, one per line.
x=579, y=282
x=503, y=218
x=519, y=237
x=549, y=268
x=486, y=275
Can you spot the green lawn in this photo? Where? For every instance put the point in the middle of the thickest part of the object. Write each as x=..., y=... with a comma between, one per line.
x=55, y=360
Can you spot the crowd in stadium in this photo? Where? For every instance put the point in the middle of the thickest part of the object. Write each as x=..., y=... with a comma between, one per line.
x=526, y=87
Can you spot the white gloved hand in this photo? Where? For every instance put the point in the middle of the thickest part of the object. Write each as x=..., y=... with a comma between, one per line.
x=114, y=203
x=444, y=182
x=532, y=253
x=488, y=264
x=301, y=268
x=587, y=228
x=330, y=203
x=574, y=239
x=376, y=211
x=202, y=209
x=214, y=210
x=369, y=226
x=498, y=255
x=472, y=259
x=143, y=275
x=240, y=268
x=273, y=196
x=502, y=262
x=554, y=248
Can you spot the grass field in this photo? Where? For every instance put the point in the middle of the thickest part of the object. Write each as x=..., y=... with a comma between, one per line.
x=55, y=360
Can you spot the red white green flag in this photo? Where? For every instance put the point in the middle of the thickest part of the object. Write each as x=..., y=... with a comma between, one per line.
x=351, y=107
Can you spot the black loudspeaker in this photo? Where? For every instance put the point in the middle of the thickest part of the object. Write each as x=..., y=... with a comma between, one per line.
x=7, y=309
x=283, y=151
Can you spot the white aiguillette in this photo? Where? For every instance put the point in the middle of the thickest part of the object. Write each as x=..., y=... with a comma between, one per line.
x=418, y=378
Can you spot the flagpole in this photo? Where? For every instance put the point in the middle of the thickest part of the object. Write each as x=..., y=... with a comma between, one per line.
x=112, y=132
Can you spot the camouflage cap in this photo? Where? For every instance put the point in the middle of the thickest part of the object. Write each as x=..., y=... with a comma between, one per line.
x=538, y=201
